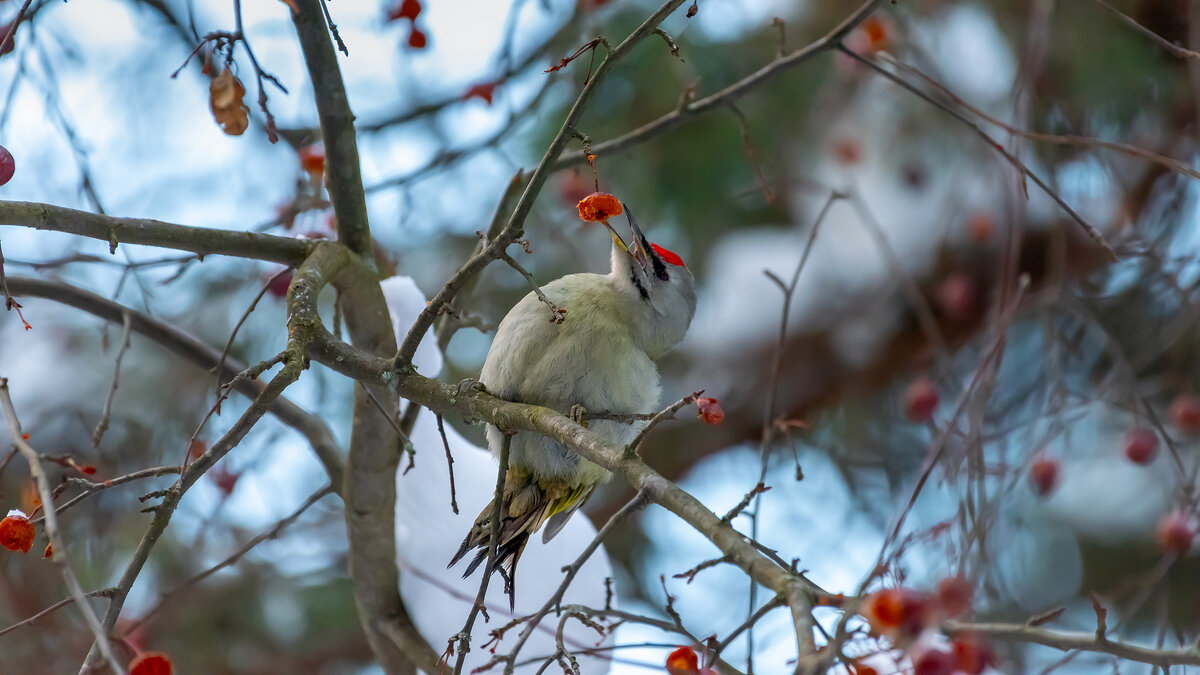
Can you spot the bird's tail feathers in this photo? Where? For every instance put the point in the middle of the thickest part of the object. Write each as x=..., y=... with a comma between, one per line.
x=527, y=506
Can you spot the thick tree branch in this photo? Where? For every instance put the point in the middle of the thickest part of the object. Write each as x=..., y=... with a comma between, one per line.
x=343, y=175
x=369, y=487
x=199, y=240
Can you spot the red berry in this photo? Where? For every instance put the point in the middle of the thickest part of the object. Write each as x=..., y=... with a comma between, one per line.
x=956, y=297
x=417, y=39
x=278, y=285
x=953, y=596
x=1043, y=474
x=682, y=660
x=897, y=611
x=1185, y=413
x=846, y=151
x=8, y=165
x=407, y=9
x=920, y=400
x=980, y=228
x=709, y=410
x=483, y=91
x=312, y=159
x=934, y=662
x=225, y=480
x=972, y=655
x=1141, y=446
x=151, y=663
x=16, y=532
x=573, y=188
x=1176, y=532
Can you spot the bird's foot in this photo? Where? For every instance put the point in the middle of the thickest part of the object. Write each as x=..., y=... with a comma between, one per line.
x=578, y=415
x=468, y=384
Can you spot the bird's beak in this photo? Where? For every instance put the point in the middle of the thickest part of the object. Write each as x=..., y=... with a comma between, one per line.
x=616, y=237
x=639, y=246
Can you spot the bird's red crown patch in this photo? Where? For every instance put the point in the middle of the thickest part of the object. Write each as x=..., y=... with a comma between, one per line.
x=667, y=256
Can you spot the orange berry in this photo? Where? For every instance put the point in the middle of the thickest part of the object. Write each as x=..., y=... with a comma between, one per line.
x=599, y=206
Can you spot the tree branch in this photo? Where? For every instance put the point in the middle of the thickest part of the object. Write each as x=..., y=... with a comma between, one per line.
x=1066, y=641
x=343, y=175
x=369, y=487
x=200, y=240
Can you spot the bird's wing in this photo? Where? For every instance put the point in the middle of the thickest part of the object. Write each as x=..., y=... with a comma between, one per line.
x=555, y=523
x=521, y=339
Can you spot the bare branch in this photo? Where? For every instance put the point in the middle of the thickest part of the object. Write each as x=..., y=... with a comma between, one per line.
x=102, y=593
x=233, y=558
x=199, y=240
x=102, y=425
x=344, y=176
x=1082, y=641
x=1172, y=49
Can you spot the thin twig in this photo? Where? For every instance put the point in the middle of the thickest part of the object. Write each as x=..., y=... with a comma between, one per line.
x=102, y=425
x=91, y=487
x=557, y=314
x=1075, y=641
x=463, y=638
x=1172, y=49
x=245, y=315
x=916, y=300
x=1083, y=141
x=10, y=303
x=162, y=514
x=663, y=415
x=102, y=593
x=449, y=463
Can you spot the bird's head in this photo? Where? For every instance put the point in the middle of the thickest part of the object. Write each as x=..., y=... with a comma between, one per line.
x=661, y=287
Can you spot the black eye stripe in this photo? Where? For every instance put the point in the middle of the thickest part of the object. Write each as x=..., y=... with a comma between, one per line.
x=641, y=289
x=660, y=270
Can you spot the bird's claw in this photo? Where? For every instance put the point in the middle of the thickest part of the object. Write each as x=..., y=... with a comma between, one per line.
x=468, y=384
x=578, y=415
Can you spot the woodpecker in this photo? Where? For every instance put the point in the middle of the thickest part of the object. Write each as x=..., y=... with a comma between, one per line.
x=600, y=358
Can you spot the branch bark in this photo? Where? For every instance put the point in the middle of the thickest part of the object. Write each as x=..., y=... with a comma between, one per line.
x=369, y=486
x=343, y=175
x=1067, y=641
x=199, y=240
